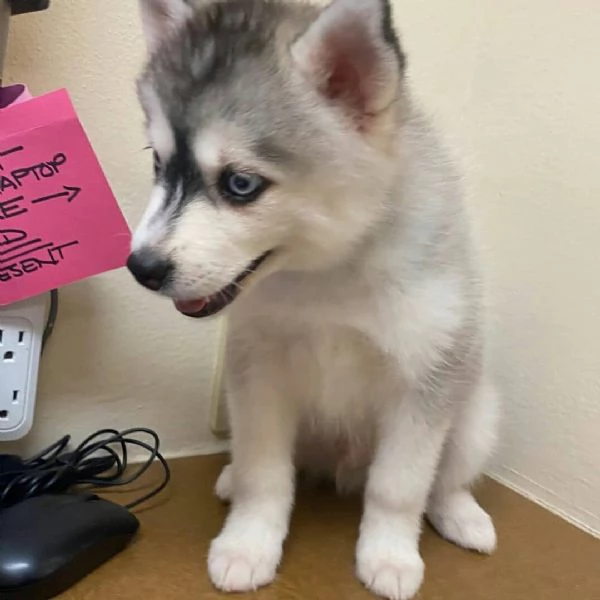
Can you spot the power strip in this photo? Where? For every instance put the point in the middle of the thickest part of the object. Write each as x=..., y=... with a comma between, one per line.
x=21, y=333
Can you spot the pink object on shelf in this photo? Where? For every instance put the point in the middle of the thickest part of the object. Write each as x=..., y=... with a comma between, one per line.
x=13, y=94
x=59, y=220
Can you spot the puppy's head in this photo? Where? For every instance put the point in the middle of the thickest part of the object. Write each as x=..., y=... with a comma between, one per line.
x=273, y=129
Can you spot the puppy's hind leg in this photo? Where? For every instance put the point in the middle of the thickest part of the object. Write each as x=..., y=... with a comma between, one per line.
x=453, y=510
x=224, y=485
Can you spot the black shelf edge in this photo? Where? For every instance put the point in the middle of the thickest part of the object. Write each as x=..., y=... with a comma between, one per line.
x=20, y=7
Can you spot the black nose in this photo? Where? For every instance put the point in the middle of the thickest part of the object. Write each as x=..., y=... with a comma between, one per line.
x=150, y=269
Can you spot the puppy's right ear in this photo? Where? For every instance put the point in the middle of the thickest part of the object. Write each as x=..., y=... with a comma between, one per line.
x=351, y=54
x=161, y=17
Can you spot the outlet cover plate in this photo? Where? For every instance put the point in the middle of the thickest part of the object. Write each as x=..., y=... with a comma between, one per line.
x=21, y=331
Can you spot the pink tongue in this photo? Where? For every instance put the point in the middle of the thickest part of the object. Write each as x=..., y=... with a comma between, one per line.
x=190, y=307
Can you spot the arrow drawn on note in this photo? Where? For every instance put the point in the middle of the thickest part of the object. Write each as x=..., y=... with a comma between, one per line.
x=70, y=194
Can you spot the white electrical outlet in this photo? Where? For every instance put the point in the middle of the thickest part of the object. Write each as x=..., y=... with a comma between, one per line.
x=21, y=332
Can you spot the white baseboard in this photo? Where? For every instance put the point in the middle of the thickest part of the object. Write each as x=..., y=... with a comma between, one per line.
x=548, y=499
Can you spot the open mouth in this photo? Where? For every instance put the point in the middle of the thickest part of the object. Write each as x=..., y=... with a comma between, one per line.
x=211, y=305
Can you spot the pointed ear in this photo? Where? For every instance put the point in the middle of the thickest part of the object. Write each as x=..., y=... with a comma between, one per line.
x=161, y=17
x=352, y=55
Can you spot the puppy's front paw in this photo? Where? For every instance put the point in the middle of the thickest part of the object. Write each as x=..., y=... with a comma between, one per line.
x=387, y=568
x=244, y=559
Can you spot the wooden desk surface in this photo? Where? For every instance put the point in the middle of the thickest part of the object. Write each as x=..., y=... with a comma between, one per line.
x=540, y=557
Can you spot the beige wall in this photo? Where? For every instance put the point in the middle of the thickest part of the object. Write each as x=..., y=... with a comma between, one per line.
x=514, y=85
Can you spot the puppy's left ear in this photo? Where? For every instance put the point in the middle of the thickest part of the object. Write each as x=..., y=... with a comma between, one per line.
x=352, y=55
x=161, y=17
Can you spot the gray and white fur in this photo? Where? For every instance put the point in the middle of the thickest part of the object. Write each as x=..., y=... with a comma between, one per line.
x=298, y=186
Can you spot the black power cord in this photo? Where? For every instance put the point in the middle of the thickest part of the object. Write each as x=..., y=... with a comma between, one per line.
x=100, y=461
x=51, y=319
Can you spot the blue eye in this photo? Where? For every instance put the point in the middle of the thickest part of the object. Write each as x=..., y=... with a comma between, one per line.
x=241, y=187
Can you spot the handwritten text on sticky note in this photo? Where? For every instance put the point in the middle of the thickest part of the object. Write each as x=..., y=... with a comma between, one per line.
x=59, y=220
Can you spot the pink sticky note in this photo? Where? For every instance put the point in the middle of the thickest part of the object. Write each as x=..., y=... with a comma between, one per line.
x=59, y=220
